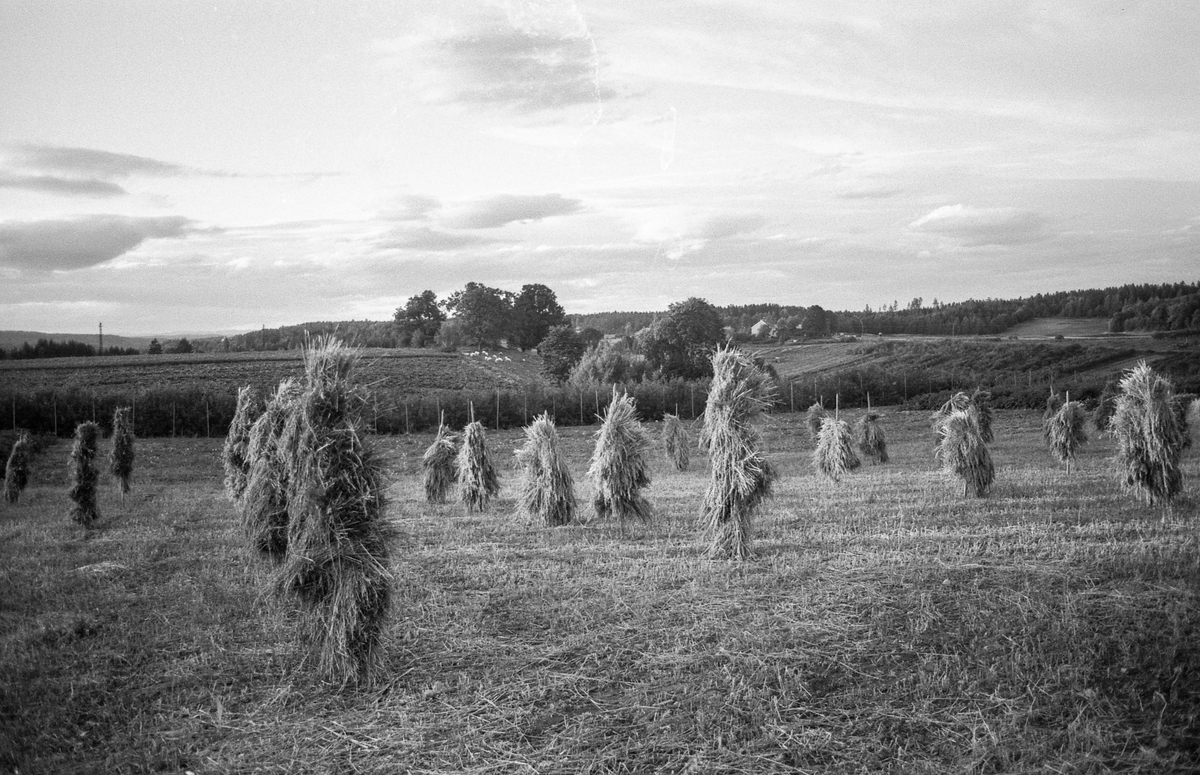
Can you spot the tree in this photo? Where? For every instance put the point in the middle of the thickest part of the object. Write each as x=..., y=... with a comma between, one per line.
x=420, y=314
x=483, y=313
x=591, y=337
x=560, y=349
x=183, y=346
x=681, y=343
x=535, y=311
x=815, y=322
x=155, y=348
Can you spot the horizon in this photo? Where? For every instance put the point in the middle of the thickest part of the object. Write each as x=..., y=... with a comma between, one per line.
x=185, y=167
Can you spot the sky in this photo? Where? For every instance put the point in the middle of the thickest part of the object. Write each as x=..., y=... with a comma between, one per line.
x=196, y=167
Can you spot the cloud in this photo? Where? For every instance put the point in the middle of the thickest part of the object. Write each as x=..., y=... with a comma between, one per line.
x=428, y=239
x=983, y=226
x=508, y=208
x=81, y=242
x=50, y=184
x=413, y=207
x=721, y=226
x=82, y=162
x=541, y=60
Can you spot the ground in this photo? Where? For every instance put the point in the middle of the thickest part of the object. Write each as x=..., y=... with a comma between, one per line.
x=885, y=624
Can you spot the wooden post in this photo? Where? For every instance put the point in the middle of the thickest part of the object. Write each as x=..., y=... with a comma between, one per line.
x=172, y=419
x=792, y=387
x=56, y=417
x=207, y=421
x=407, y=426
x=693, y=401
x=497, y=408
x=14, y=412
x=524, y=407
x=581, y=407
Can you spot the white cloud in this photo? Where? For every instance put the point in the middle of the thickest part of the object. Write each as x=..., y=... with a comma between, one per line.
x=983, y=226
x=508, y=208
x=80, y=242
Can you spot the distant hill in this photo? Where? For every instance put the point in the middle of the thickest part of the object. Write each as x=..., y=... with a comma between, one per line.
x=11, y=339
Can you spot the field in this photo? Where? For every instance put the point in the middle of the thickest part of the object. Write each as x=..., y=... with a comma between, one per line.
x=401, y=371
x=886, y=624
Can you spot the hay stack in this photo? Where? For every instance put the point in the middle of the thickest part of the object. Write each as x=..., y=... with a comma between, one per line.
x=336, y=565
x=237, y=467
x=815, y=415
x=619, y=468
x=834, y=456
x=872, y=441
x=16, y=472
x=963, y=453
x=1150, y=437
x=676, y=442
x=1066, y=432
x=476, y=472
x=1105, y=406
x=120, y=461
x=959, y=402
x=439, y=464
x=741, y=474
x=84, y=475
x=982, y=401
x=1054, y=403
x=547, y=490
x=264, y=503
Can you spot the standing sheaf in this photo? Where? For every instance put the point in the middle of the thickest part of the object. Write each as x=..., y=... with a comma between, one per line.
x=234, y=455
x=619, y=469
x=1148, y=423
x=84, y=475
x=676, y=442
x=121, y=458
x=547, y=489
x=741, y=474
x=477, y=476
x=16, y=472
x=439, y=465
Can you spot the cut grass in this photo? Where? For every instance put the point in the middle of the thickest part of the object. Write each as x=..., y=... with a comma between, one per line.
x=892, y=626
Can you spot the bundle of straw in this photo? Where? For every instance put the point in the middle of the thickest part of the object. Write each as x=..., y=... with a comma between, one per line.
x=676, y=442
x=237, y=466
x=872, y=441
x=547, y=489
x=619, y=469
x=982, y=401
x=264, y=503
x=959, y=402
x=815, y=415
x=336, y=565
x=1066, y=432
x=834, y=456
x=439, y=464
x=120, y=461
x=476, y=472
x=741, y=474
x=1150, y=437
x=84, y=475
x=963, y=453
x=16, y=472
x=1054, y=402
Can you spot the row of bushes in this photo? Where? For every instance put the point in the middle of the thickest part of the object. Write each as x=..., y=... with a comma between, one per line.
x=199, y=411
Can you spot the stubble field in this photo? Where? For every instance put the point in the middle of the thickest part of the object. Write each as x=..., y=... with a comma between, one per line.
x=886, y=624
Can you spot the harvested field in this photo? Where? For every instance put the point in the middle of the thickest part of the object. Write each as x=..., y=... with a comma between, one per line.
x=885, y=623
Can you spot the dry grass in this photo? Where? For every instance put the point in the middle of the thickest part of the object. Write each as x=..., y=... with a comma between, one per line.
x=264, y=502
x=1067, y=432
x=336, y=567
x=620, y=467
x=237, y=441
x=963, y=453
x=741, y=474
x=547, y=494
x=440, y=465
x=120, y=461
x=676, y=442
x=834, y=456
x=1150, y=437
x=16, y=470
x=477, y=476
x=889, y=627
x=85, y=476
x=815, y=416
x=872, y=441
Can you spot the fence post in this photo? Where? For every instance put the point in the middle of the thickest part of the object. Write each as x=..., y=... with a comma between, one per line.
x=14, y=411
x=207, y=421
x=792, y=387
x=497, y=408
x=172, y=419
x=56, y=417
x=693, y=400
x=407, y=426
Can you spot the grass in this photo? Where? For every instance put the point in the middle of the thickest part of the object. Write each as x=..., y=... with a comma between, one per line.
x=888, y=626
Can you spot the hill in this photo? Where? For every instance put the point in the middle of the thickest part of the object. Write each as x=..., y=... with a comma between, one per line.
x=12, y=339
